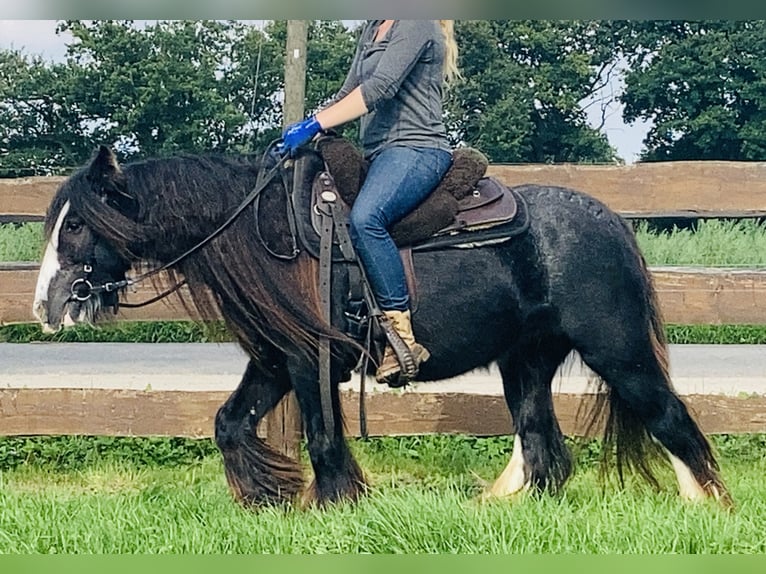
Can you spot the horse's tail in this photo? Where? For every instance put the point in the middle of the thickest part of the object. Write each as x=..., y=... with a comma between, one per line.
x=626, y=441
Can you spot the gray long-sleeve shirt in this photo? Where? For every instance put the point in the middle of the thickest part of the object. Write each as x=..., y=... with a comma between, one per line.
x=401, y=80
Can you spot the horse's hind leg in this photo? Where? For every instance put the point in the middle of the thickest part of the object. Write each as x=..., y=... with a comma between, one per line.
x=256, y=473
x=642, y=401
x=540, y=457
x=337, y=475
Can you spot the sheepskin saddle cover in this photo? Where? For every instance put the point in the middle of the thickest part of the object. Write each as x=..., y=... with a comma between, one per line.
x=438, y=212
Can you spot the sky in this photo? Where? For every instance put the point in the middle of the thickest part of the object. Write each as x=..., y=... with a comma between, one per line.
x=38, y=37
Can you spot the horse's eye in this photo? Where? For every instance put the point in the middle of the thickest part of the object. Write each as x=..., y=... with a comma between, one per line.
x=73, y=226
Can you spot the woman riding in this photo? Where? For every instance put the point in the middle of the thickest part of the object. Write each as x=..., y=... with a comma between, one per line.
x=395, y=84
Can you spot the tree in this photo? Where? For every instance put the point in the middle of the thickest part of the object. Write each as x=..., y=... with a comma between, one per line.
x=523, y=84
x=196, y=86
x=703, y=85
x=331, y=49
x=173, y=86
x=40, y=127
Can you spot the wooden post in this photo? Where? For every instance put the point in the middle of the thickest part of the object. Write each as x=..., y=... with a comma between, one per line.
x=295, y=70
x=283, y=425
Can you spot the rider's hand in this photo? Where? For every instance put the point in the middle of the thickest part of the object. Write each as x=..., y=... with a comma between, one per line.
x=299, y=133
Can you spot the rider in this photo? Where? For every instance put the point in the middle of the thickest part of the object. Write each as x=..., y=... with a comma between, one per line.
x=395, y=84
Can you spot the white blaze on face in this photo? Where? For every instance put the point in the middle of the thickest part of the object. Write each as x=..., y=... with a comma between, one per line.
x=48, y=269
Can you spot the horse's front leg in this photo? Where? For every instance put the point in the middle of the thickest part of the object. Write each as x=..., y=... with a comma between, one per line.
x=337, y=475
x=256, y=473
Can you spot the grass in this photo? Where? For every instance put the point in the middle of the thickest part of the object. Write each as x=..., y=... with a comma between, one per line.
x=422, y=500
x=121, y=332
x=21, y=242
x=713, y=243
x=117, y=495
x=188, y=332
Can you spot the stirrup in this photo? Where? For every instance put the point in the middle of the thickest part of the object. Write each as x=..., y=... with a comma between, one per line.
x=409, y=359
x=396, y=377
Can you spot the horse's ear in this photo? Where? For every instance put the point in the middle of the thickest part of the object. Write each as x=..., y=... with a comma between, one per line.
x=108, y=181
x=104, y=166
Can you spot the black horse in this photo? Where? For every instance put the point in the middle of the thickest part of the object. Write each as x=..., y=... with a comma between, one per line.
x=573, y=281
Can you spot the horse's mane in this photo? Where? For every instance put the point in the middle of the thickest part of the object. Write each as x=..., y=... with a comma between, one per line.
x=182, y=199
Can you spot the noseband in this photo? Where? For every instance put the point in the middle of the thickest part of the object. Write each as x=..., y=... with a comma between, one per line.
x=83, y=289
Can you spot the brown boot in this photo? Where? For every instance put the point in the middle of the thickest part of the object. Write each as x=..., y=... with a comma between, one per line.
x=389, y=370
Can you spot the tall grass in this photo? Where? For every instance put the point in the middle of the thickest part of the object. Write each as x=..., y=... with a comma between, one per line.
x=112, y=495
x=423, y=499
x=121, y=332
x=713, y=243
x=21, y=242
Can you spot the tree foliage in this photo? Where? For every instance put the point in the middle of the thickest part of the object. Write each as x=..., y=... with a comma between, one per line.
x=522, y=89
x=204, y=85
x=702, y=84
x=40, y=129
x=330, y=50
x=172, y=86
x=167, y=87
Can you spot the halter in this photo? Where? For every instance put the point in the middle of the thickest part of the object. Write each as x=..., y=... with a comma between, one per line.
x=83, y=289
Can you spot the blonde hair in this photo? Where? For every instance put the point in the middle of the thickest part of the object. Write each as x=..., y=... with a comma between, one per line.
x=450, y=69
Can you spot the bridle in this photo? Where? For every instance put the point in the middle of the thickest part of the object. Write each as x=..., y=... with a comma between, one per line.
x=83, y=288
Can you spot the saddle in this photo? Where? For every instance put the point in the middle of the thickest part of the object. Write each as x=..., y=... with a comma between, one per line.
x=467, y=209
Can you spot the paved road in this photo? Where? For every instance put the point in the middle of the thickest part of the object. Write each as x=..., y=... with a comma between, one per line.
x=696, y=369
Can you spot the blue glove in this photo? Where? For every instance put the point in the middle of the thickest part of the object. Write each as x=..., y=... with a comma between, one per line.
x=299, y=133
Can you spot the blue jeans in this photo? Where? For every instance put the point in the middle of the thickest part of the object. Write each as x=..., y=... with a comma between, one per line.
x=398, y=180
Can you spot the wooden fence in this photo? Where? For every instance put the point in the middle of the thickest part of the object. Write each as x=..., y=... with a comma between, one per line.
x=687, y=296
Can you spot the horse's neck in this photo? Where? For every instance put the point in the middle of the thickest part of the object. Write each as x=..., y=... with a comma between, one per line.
x=182, y=204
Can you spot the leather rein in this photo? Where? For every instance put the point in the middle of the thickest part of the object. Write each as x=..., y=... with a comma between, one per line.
x=83, y=289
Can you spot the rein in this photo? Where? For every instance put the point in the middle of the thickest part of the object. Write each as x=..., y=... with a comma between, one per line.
x=82, y=289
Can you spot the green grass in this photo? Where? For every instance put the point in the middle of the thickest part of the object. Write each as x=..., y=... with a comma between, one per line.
x=188, y=332
x=714, y=243
x=121, y=332
x=21, y=242
x=423, y=499
x=117, y=495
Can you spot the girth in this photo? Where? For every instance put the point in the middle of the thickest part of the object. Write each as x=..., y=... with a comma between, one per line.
x=487, y=214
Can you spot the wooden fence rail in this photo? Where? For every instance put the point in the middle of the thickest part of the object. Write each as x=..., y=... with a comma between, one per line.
x=192, y=413
x=687, y=296
x=669, y=189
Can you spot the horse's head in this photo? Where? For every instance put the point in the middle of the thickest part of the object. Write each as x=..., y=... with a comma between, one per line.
x=78, y=258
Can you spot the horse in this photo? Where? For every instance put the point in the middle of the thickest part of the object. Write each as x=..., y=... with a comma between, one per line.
x=574, y=282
